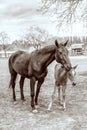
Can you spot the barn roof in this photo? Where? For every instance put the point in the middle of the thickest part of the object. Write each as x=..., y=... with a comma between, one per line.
x=79, y=45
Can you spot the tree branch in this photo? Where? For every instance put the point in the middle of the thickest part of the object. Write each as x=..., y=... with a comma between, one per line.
x=65, y=11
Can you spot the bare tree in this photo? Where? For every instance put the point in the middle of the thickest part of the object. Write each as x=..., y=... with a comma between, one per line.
x=20, y=44
x=36, y=36
x=4, y=40
x=66, y=11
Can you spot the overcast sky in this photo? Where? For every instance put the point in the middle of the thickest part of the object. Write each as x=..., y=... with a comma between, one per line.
x=19, y=15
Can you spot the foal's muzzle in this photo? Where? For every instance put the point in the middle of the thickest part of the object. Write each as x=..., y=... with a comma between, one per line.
x=74, y=84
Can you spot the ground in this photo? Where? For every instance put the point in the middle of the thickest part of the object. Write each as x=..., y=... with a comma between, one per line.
x=20, y=117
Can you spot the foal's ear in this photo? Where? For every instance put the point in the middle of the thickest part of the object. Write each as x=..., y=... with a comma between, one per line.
x=56, y=43
x=65, y=44
x=74, y=67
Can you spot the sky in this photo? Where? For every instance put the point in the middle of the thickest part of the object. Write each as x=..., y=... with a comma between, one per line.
x=17, y=16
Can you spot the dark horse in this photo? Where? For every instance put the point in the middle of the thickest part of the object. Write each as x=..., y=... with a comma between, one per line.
x=34, y=67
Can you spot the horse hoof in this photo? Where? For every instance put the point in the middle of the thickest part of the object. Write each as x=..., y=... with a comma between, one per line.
x=64, y=109
x=35, y=111
x=23, y=99
x=48, y=109
x=15, y=102
x=61, y=104
x=23, y=102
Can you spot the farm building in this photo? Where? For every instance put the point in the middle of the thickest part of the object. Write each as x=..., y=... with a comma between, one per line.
x=77, y=49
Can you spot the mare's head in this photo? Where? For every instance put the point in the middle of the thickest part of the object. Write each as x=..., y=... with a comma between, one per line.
x=71, y=75
x=61, y=55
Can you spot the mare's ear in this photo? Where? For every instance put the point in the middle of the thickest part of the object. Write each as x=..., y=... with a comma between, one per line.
x=74, y=67
x=56, y=43
x=65, y=44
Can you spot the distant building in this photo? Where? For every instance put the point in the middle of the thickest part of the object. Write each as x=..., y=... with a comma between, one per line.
x=77, y=49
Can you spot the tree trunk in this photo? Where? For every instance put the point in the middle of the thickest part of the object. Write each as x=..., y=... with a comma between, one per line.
x=5, y=53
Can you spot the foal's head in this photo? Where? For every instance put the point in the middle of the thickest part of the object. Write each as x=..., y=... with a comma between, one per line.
x=61, y=55
x=71, y=75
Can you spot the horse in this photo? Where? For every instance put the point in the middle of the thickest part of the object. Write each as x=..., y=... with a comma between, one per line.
x=61, y=78
x=34, y=67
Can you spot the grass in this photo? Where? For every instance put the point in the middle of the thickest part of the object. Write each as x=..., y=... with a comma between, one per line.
x=20, y=117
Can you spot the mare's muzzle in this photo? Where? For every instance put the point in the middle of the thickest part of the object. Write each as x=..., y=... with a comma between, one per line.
x=67, y=67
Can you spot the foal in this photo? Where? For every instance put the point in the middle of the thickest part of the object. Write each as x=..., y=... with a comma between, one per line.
x=61, y=79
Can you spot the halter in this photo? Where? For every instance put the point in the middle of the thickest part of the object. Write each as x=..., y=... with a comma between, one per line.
x=62, y=66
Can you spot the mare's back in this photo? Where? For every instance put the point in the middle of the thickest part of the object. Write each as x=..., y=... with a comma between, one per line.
x=18, y=54
x=14, y=56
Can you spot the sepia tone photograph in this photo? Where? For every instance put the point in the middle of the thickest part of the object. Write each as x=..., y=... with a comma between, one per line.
x=43, y=65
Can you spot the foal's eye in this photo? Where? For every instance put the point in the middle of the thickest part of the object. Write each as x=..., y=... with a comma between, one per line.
x=60, y=52
x=69, y=74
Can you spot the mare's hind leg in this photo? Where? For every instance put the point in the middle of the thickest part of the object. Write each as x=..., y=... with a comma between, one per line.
x=40, y=82
x=13, y=79
x=21, y=87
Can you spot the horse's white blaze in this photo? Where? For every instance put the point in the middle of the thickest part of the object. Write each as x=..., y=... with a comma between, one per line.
x=73, y=72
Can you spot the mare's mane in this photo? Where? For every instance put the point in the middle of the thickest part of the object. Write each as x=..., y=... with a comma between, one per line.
x=46, y=49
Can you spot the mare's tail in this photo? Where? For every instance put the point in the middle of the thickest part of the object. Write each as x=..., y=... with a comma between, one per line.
x=10, y=84
x=12, y=72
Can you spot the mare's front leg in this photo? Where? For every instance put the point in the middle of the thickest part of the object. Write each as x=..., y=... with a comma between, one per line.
x=21, y=88
x=40, y=82
x=52, y=98
x=32, y=91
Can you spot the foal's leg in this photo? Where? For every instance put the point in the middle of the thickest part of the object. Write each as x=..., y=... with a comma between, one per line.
x=59, y=98
x=52, y=98
x=40, y=82
x=63, y=94
x=21, y=87
x=32, y=87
